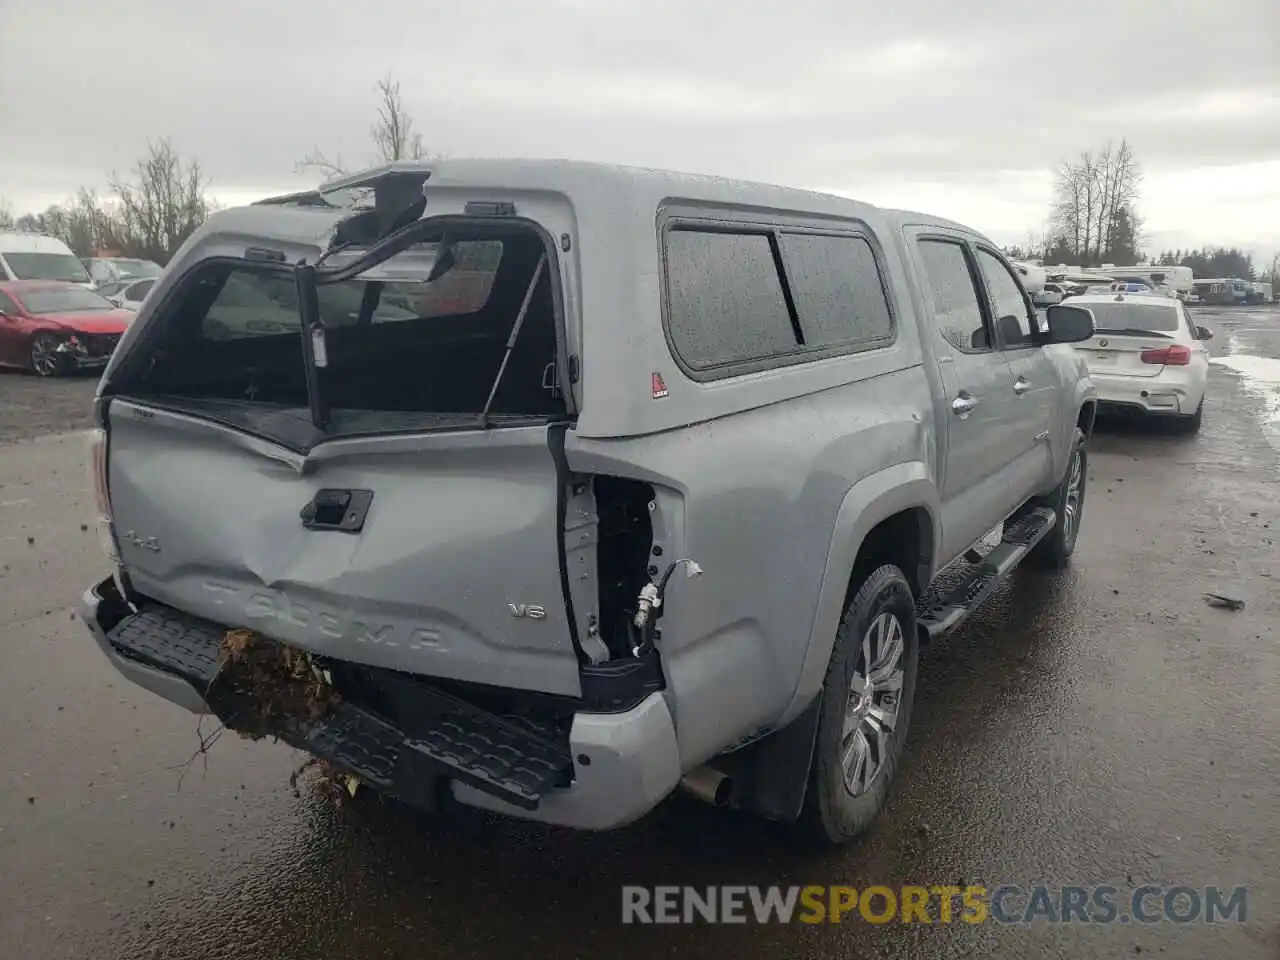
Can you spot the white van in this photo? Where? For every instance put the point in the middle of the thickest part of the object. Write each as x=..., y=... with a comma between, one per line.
x=34, y=256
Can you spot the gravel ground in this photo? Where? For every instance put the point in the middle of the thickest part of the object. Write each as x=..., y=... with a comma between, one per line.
x=31, y=407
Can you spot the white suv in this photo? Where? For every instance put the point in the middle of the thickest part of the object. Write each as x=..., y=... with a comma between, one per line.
x=1146, y=357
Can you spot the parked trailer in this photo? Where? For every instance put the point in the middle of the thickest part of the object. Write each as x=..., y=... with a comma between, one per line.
x=1074, y=279
x=1175, y=281
x=1033, y=275
x=1219, y=291
x=1260, y=292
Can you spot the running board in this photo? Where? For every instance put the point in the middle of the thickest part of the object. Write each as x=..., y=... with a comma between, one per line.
x=955, y=595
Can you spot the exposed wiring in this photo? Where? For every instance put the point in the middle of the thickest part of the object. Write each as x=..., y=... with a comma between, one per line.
x=649, y=604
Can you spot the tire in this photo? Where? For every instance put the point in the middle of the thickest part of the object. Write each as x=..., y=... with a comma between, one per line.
x=834, y=814
x=1192, y=423
x=1054, y=550
x=43, y=359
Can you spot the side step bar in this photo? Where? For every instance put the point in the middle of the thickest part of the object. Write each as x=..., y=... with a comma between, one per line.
x=463, y=742
x=954, y=596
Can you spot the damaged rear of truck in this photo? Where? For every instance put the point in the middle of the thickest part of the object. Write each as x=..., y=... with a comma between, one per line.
x=554, y=486
x=343, y=427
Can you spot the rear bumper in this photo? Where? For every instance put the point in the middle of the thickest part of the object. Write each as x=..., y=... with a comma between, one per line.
x=609, y=770
x=104, y=598
x=1143, y=396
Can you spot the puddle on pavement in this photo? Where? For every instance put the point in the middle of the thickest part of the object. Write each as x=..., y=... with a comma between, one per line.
x=1259, y=376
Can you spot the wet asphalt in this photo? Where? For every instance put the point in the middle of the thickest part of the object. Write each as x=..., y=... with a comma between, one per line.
x=1101, y=726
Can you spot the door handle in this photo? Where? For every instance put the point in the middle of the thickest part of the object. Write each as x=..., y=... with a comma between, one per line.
x=963, y=404
x=332, y=509
x=1021, y=386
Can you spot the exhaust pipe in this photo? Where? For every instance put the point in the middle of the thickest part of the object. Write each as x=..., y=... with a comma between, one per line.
x=708, y=785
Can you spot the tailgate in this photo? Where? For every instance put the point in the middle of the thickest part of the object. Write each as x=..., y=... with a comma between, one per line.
x=455, y=572
x=1121, y=356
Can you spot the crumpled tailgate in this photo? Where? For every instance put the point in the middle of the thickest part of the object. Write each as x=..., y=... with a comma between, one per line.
x=454, y=573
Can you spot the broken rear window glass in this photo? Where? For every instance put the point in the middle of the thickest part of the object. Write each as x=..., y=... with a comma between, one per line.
x=399, y=347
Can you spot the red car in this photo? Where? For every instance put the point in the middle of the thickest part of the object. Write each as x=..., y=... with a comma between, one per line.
x=54, y=328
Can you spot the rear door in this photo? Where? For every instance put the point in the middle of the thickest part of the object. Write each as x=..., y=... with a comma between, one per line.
x=979, y=391
x=406, y=536
x=1035, y=377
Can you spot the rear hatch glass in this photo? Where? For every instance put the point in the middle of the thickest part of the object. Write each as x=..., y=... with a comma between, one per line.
x=411, y=353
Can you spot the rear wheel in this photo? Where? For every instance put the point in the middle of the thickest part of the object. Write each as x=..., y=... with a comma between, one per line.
x=45, y=359
x=1067, y=500
x=866, y=710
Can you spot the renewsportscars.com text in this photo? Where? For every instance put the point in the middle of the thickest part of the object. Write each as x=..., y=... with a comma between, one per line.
x=1007, y=903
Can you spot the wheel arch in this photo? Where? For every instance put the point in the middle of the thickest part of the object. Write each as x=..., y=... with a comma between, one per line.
x=1086, y=416
x=891, y=516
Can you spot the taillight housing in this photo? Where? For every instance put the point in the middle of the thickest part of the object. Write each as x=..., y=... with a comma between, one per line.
x=101, y=494
x=1174, y=355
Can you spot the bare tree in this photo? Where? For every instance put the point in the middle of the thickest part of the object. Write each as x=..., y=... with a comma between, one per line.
x=1126, y=188
x=163, y=203
x=1090, y=190
x=1118, y=177
x=1093, y=215
x=393, y=134
x=1037, y=243
x=91, y=224
x=1068, y=207
x=6, y=215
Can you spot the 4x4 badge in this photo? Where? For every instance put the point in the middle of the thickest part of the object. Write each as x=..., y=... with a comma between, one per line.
x=659, y=386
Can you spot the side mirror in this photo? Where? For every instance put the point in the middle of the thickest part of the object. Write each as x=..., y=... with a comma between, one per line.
x=1069, y=324
x=1204, y=333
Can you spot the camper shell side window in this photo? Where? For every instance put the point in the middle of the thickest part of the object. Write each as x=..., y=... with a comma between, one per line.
x=745, y=296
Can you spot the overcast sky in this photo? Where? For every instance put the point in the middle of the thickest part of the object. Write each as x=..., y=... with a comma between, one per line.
x=961, y=109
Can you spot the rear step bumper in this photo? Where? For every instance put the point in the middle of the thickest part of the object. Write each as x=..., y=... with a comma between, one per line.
x=613, y=768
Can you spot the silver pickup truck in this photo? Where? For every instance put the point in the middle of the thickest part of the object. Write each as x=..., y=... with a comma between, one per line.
x=573, y=484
